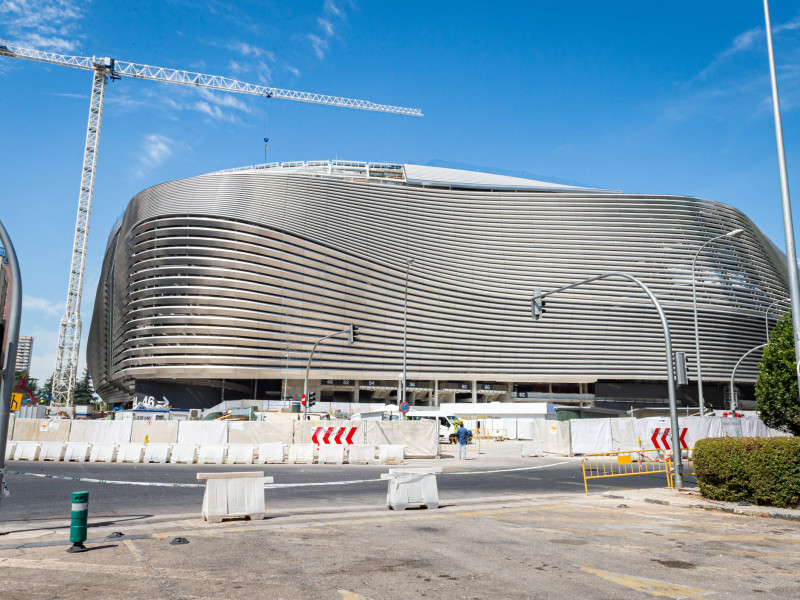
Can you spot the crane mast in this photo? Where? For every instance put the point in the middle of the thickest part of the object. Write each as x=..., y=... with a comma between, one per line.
x=69, y=336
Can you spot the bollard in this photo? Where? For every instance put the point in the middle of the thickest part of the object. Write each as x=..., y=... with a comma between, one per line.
x=79, y=516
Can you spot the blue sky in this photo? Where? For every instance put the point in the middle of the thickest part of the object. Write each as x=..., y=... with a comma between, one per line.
x=637, y=96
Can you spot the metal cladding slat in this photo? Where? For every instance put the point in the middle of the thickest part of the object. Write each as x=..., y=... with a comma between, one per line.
x=213, y=276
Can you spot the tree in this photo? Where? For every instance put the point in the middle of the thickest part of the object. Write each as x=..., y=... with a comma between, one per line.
x=31, y=382
x=84, y=390
x=776, y=386
x=46, y=390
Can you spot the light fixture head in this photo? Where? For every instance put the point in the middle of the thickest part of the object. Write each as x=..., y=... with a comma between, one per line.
x=734, y=233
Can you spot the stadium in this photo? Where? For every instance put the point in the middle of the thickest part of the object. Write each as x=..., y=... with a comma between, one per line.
x=216, y=287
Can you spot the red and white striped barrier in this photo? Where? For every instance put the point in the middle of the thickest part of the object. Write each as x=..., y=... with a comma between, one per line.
x=325, y=435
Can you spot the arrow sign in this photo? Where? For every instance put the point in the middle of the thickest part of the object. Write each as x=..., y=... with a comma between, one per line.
x=349, y=438
x=683, y=437
x=314, y=437
x=665, y=440
x=326, y=437
x=654, y=439
x=338, y=437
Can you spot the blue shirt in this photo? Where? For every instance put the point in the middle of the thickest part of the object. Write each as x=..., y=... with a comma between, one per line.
x=463, y=433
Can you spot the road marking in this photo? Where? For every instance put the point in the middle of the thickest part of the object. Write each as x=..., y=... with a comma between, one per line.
x=650, y=586
x=134, y=550
x=348, y=595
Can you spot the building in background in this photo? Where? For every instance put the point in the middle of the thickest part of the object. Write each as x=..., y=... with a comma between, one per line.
x=24, y=353
x=208, y=281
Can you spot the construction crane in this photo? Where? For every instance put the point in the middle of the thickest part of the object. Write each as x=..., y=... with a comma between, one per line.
x=69, y=335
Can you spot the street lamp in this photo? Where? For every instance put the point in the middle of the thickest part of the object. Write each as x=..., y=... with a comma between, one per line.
x=733, y=374
x=769, y=308
x=730, y=234
x=537, y=309
x=402, y=396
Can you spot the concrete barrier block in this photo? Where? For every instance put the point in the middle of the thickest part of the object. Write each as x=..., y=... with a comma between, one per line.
x=391, y=454
x=233, y=495
x=156, y=453
x=52, y=451
x=27, y=450
x=271, y=453
x=331, y=455
x=532, y=448
x=240, y=454
x=77, y=452
x=362, y=454
x=10, y=447
x=211, y=454
x=132, y=453
x=183, y=454
x=103, y=452
x=301, y=454
x=412, y=487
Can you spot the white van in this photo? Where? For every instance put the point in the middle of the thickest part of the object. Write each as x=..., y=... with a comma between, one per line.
x=447, y=423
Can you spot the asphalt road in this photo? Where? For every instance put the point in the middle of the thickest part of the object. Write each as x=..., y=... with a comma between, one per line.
x=37, y=498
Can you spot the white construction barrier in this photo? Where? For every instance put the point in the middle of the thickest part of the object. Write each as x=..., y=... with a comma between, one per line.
x=362, y=454
x=132, y=453
x=154, y=432
x=420, y=438
x=525, y=428
x=156, y=453
x=555, y=436
x=101, y=431
x=260, y=432
x=233, y=495
x=240, y=454
x=412, y=486
x=27, y=450
x=77, y=452
x=202, y=432
x=183, y=454
x=211, y=454
x=532, y=448
x=270, y=453
x=590, y=436
x=331, y=455
x=301, y=454
x=10, y=447
x=41, y=430
x=52, y=451
x=103, y=452
x=11, y=419
x=391, y=454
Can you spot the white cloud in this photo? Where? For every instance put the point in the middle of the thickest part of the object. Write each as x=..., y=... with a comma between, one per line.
x=331, y=9
x=43, y=305
x=43, y=24
x=155, y=150
x=319, y=45
x=326, y=26
x=249, y=50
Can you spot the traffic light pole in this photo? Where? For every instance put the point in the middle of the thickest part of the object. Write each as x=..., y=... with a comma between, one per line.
x=10, y=354
x=349, y=332
x=673, y=407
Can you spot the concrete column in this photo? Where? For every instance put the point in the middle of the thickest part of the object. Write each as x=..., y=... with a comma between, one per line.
x=436, y=392
x=474, y=391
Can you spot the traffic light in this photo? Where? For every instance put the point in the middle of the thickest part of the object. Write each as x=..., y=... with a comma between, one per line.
x=537, y=304
x=352, y=334
x=312, y=399
x=303, y=400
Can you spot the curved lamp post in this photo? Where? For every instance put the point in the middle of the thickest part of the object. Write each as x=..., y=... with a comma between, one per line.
x=769, y=308
x=673, y=408
x=730, y=234
x=402, y=395
x=733, y=373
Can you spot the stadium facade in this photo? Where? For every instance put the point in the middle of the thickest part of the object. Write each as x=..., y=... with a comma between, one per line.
x=216, y=287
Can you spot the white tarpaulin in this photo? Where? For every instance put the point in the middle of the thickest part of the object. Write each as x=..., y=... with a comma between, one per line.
x=623, y=434
x=11, y=419
x=154, y=432
x=101, y=431
x=555, y=436
x=510, y=427
x=421, y=438
x=41, y=430
x=525, y=428
x=202, y=432
x=590, y=436
x=260, y=432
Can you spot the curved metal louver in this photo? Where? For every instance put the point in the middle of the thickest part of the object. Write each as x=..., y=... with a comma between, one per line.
x=212, y=276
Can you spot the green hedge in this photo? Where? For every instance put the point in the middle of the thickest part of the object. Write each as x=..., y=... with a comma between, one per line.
x=759, y=470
